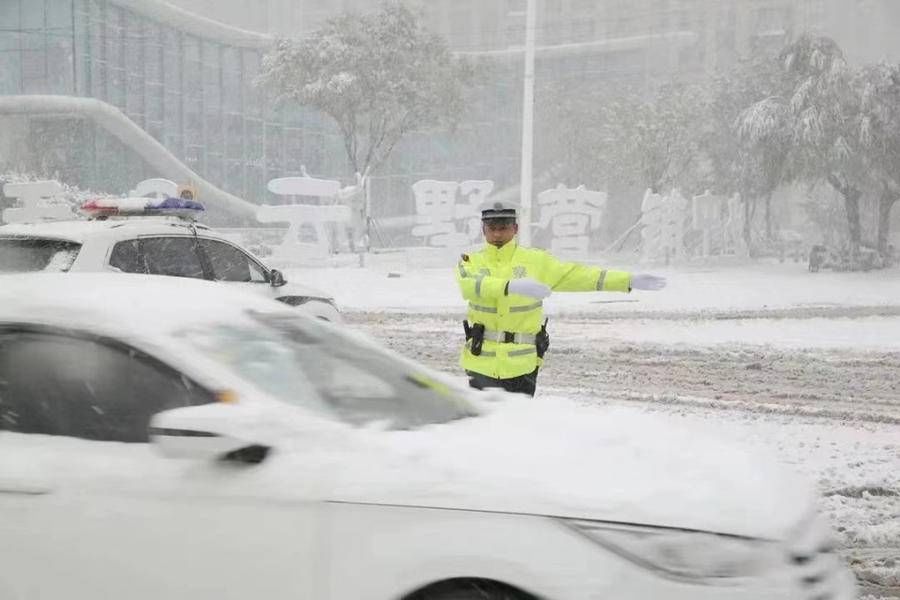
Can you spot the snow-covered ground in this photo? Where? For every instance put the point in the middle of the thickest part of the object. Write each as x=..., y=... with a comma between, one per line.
x=767, y=287
x=805, y=364
x=869, y=333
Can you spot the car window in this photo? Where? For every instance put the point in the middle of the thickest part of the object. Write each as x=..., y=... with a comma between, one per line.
x=70, y=386
x=173, y=256
x=126, y=257
x=231, y=264
x=34, y=254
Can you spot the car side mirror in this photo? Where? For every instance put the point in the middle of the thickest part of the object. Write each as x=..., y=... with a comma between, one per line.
x=208, y=432
x=276, y=278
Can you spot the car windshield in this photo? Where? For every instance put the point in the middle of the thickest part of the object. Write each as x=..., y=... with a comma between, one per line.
x=308, y=364
x=19, y=255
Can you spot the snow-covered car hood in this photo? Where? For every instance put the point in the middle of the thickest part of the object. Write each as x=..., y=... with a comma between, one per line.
x=553, y=458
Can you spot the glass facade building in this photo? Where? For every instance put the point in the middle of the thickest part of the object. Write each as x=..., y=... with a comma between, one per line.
x=186, y=81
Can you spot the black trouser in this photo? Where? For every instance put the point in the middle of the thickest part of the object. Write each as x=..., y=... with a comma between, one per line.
x=523, y=384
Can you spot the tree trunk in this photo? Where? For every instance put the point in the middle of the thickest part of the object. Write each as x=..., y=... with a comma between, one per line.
x=769, y=216
x=749, y=213
x=851, y=205
x=885, y=204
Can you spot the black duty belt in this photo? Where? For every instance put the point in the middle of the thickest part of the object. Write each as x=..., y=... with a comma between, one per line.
x=476, y=333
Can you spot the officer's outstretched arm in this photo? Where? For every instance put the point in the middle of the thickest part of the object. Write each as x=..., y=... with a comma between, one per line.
x=575, y=277
x=478, y=286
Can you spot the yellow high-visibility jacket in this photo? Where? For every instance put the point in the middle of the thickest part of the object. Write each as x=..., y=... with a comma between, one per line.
x=483, y=277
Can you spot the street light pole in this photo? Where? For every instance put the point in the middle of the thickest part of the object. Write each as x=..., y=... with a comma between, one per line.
x=74, y=52
x=525, y=186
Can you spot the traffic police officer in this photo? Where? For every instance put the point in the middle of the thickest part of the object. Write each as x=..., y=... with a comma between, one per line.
x=505, y=285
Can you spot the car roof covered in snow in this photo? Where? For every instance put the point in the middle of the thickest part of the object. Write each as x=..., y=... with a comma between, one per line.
x=79, y=230
x=145, y=305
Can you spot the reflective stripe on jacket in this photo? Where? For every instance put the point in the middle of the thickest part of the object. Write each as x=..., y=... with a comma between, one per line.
x=482, y=278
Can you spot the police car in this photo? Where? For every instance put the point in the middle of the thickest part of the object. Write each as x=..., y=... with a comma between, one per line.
x=140, y=235
x=222, y=447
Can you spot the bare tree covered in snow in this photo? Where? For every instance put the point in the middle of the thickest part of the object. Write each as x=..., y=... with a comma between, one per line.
x=745, y=147
x=823, y=104
x=878, y=132
x=763, y=141
x=628, y=140
x=843, y=125
x=378, y=76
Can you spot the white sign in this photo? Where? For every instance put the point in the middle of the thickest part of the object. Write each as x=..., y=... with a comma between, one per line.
x=322, y=219
x=305, y=186
x=155, y=188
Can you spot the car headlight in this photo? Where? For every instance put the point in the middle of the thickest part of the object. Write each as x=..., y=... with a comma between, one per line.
x=685, y=554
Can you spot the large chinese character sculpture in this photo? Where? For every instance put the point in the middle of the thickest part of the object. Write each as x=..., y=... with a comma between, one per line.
x=733, y=241
x=571, y=214
x=319, y=218
x=355, y=234
x=474, y=193
x=444, y=221
x=651, y=225
x=663, y=229
x=38, y=200
x=720, y=222
x=706, y=217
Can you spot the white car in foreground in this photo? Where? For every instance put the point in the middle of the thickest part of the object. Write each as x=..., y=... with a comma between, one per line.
x=289, y=459
x=153, y=245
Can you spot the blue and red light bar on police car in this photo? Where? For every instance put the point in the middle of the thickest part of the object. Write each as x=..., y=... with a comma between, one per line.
x=109, y=207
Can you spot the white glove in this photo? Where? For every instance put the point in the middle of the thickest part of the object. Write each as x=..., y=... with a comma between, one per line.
x=643, y=281
x=528, y=287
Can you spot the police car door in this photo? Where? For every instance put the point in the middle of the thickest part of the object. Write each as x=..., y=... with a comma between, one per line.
x=89, y=509
x=229, y=263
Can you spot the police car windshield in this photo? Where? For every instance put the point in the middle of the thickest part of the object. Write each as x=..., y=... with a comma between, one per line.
x=320, y=368
x=19, y=255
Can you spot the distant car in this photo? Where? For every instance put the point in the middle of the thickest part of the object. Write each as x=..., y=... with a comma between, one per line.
x=153, y=245
x=223, y=447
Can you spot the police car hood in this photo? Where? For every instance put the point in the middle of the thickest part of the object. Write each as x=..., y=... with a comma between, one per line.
x=554, y=458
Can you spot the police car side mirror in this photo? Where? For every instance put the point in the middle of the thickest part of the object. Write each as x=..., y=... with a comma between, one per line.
x=276, y=278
